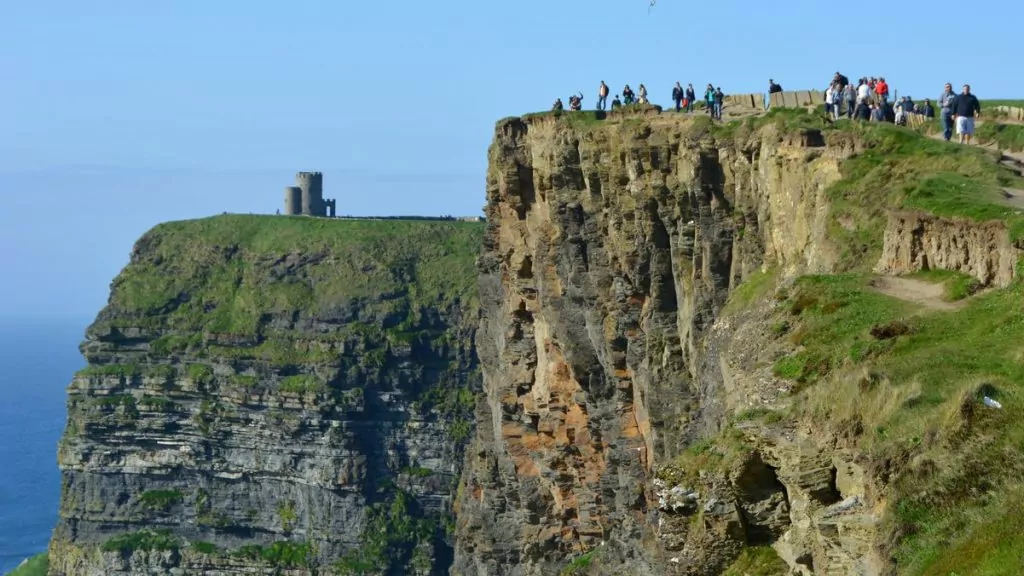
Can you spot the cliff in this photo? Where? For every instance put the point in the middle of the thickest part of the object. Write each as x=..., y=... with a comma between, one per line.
x=273, y=393
x=676, y=347
x=688, y=364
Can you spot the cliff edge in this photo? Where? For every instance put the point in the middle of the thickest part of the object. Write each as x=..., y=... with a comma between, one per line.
x=658, y=298
x=273, y=393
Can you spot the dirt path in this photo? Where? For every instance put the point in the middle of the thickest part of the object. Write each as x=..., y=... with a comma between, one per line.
x=919, y=292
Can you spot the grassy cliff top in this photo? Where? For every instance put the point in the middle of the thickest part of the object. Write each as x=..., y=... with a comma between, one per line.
x=229, y=273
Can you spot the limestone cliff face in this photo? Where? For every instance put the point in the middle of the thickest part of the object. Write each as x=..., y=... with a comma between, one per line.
x=609, y=254
x=273, y=394
x=915, y=241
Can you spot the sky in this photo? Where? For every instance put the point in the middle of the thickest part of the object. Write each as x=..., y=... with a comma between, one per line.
x=118, y=115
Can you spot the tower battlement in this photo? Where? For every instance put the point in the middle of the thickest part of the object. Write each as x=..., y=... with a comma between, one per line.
x=307, y=196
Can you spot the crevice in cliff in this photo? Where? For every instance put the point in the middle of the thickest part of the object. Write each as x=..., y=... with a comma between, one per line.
x=764, y=501
x=662, y=282
x=527, y=193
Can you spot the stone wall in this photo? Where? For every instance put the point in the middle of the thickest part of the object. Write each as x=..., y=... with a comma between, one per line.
x=798, y=98
x=794, y=99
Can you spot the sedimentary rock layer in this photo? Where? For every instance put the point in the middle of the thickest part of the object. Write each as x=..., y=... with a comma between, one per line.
x=271, y=393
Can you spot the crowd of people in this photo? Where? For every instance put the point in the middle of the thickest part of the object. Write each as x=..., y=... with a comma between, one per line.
x=867, y=100
x=685, y=99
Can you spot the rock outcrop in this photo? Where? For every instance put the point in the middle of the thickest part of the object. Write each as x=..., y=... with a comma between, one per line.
x=916, y=241
x=268, y=394
x=610, y=252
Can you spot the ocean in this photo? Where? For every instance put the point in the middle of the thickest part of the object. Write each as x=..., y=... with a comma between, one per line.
x=37, y=360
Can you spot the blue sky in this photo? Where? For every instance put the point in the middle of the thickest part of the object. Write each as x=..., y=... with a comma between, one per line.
x=117, y=115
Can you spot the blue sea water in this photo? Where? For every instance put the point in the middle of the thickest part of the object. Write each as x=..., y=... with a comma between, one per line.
x=37, y=360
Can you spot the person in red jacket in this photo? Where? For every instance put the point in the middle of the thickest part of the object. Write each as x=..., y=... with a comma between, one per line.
x=882, y=90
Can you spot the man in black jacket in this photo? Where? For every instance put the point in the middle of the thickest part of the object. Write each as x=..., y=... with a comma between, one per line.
x=965, y=108
x=677, y=96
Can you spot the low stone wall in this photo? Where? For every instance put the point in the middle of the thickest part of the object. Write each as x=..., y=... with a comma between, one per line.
x=755, y=101
x=798, y=99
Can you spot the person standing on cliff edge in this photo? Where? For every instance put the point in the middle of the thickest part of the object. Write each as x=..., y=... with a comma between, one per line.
x=946, y=105
x=773, y=88
x=602, y=96
x=965, y=108
x=677, y=96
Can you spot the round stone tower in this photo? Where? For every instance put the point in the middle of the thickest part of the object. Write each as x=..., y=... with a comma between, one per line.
x=292, y=200
x=312, y=185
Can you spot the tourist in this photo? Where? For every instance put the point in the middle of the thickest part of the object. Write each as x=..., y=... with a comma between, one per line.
x=557, y=106
x=840, y=80
x=901, y=112
x=888, y=112
x=691, y=97
x=863, y=92
x=927, y=110
x=850, y=96
x=863, y=111
x=616, y=103
x=882, y=90
x=837, y=101
x=877, y=114
x=719, y=102
x=627, y=95
x=678, y=95
x=908, y=105
x=643, y=93
x=709, y=100
x=946, y=106
x=828, y=99
x=602, y=95
x=773, y=88
x=965, y=108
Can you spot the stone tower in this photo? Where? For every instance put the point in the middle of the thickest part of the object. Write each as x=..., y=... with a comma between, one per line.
x=312, y=185
x=292, y=200
x=306, y=197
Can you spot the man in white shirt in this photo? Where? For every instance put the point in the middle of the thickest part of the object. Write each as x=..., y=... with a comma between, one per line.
x=863, y=92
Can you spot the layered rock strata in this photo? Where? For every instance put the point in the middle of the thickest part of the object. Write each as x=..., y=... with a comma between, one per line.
x=610, y=252
x=273, y=394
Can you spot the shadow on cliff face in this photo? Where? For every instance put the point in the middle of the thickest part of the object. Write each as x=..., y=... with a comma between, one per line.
x=763, y=500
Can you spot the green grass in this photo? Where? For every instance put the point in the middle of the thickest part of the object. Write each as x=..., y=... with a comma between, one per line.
x=200, y=373
x=282, y=554
x=580, y=564
x=122, y=370
x=957, y=285
x=758, y=561
x=915, y=395
x=34, y=566
x=755, y=286
x=160, y=540
x=286, y=513
x=905, y=170
x=228, y=274
x=392, y=533
x=302, y=384
x=992, y=103
x=160, y=499
x=204, y=547
x=1003, y=136
x=417, y=471
x=591, y=118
